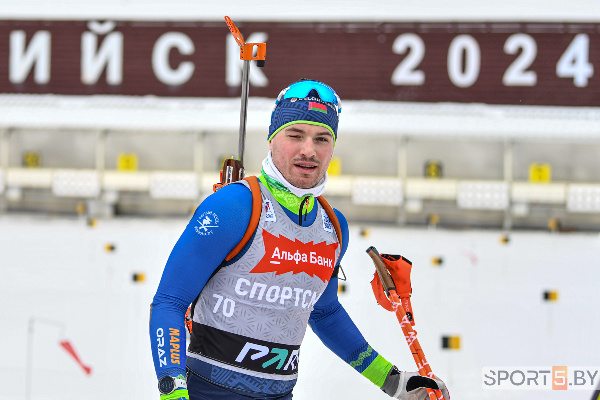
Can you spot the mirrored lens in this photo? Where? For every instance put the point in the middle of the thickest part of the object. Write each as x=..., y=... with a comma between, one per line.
x=302, y=89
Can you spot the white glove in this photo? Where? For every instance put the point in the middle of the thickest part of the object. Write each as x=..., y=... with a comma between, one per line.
x=404, y=385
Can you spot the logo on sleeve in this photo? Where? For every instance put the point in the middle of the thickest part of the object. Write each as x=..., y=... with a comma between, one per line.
x=206, y=223
x=269, y=212
x=283, y=255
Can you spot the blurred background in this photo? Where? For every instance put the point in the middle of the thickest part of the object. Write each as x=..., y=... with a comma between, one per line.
x=469, y=141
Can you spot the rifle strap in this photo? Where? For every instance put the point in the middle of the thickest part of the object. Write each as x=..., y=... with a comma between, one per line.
x=332, y=217
x=254, y=216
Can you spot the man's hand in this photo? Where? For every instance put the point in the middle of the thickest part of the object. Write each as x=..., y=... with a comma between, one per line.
x=411, y=386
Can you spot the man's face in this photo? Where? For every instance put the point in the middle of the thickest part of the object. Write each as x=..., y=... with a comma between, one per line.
x=302, y=152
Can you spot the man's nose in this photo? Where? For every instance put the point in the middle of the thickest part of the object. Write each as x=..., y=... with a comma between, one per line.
x=308, y=148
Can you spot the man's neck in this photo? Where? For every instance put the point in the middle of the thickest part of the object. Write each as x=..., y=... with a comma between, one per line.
x=277, y=180
x=288, y=200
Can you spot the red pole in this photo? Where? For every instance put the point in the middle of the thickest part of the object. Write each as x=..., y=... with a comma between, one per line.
x=413, y=343
x=410, y=335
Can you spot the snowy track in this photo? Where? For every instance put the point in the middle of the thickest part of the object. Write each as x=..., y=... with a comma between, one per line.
x=59, y=273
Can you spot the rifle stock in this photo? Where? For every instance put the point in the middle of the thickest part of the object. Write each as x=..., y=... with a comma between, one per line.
x=233, y=171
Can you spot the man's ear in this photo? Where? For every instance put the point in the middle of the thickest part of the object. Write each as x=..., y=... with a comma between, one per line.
x=271, y=144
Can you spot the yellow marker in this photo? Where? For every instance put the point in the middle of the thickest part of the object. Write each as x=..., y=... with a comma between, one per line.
x=434, y=219
x=553, y=225
x=540, y=173
x=437, y=261
x=80, y=208
x=127, y=162
x=451, y=342
x=341, y=288
x=550, y=295
x=335, y=167
x=433, y=169
x=109, y=247
x=32, y=159
x=504, y=239
x=364, y=232
x=139, y=277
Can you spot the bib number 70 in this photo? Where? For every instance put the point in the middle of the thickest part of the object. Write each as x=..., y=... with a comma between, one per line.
x=227, y=306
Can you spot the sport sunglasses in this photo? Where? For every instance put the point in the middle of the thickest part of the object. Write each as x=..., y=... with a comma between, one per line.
x=301, y=90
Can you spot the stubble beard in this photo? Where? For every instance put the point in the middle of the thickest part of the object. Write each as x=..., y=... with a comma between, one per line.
x=299, y=181
x=310, y=185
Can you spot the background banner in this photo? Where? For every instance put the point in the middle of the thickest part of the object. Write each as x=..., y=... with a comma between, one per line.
x=495, y=63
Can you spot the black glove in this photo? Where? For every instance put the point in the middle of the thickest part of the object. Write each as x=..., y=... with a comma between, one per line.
x=405, y=385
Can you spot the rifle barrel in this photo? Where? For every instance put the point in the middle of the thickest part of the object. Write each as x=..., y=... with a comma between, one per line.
x=244, y=109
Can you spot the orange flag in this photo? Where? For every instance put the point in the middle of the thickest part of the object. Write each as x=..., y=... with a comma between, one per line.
x=65, y=344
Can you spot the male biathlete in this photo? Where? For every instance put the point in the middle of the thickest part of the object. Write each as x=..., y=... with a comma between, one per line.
x=250, y=312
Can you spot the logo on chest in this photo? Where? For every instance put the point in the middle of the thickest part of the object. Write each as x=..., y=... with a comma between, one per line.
x=269, y=211
x=283, y=255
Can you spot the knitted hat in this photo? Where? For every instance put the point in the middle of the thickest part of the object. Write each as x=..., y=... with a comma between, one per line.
x=318, y=105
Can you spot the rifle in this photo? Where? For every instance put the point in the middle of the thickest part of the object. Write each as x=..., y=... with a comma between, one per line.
x=233, y=170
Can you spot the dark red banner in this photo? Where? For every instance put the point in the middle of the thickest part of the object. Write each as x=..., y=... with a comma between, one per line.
x=496, y=63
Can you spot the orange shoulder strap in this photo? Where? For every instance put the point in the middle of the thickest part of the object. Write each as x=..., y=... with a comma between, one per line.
x=332, y=217
x=254, y=216
x=257, y=209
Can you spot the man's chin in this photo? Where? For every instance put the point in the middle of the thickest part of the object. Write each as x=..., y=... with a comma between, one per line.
x=305, y=183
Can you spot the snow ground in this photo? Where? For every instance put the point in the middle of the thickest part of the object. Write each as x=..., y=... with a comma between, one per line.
x=58, y=272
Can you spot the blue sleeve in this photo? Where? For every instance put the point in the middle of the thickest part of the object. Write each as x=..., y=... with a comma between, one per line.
x=217, y=226
x=332, y=324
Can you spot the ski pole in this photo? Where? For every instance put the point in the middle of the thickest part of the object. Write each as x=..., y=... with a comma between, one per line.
x=410, y=335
